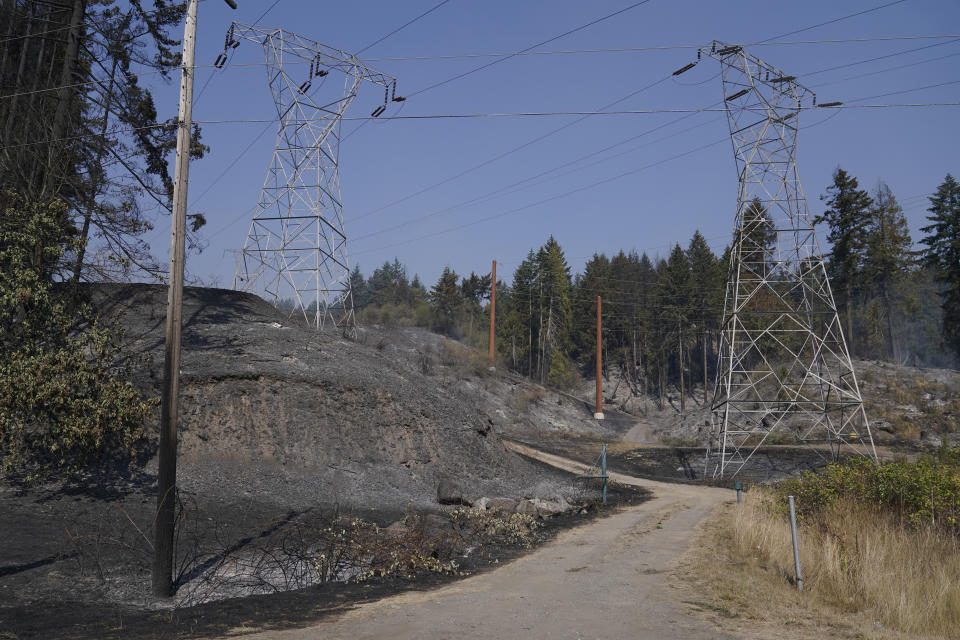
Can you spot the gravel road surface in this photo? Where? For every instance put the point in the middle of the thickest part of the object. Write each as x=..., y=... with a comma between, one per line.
x=608, y=579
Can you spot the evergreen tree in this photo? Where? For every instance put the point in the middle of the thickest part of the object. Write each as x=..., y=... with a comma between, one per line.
x=556, y=318
x=446, y=300
x=594, y=281
x=757, y=240
x=942, y=254
x=706, y=298
x=886, y=263
x=847, y=214
x=359, y=289
x=389, y=285
x=516, y=335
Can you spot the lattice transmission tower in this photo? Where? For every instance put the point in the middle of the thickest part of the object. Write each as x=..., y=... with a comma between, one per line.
x=296, y=246
x=784, y=373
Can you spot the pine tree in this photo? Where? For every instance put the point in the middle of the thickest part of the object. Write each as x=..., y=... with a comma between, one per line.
x=556, y=319
x=446, y=300
x=886, y=262
x=595, y=281
x=706, y=298
x=516, y=335
x=359, y=289
x=847, y=214
x=943, y=254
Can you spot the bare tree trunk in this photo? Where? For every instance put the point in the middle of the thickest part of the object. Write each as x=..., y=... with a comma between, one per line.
x=95, y=187
x=891, y=339
x=704, y=344
x=680, y=348
x=53, y=175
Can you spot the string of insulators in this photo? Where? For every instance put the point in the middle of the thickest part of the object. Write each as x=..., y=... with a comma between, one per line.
x=228, y=43
x=380, y=109
x=685, y=68
x=830, y=104
x=786, y=117
x=742, y=92
x=782, y=79
x=318, y=72
x=394, y=95
x=728, y=50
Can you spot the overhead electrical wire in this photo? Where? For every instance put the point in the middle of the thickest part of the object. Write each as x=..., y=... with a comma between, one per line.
x=366, y=121
x=874, y=59
x=592, y=185
x=563, y=52
x=403, y=26
x=832, y=21
x=442, y=116
x=535, y=46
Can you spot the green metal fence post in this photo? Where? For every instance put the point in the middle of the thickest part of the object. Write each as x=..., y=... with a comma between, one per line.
x=603, y=471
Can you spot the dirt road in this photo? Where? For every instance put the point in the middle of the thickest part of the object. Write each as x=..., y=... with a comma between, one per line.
x=608, y=579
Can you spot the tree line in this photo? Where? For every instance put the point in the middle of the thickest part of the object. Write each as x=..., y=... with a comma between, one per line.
x=661, y=315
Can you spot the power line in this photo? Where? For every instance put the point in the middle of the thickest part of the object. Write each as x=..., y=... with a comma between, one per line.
x=874, y=59
x=508, y=152
x=402, y=27
x=490, y=194
x=835, y=20
x=444, y=116
x=539, y=44
x=887, y=70
x=529, y=48
x=566, y=193
x=562, y=52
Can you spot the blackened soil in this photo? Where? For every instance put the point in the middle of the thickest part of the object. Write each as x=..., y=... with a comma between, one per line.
x=684, y=464
x=32, y=604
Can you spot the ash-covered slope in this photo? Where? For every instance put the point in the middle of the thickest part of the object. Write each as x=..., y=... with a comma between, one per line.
x=280, y=411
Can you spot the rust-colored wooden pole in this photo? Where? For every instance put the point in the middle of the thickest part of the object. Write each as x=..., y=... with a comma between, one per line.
x=598, y=414
x=493, y=312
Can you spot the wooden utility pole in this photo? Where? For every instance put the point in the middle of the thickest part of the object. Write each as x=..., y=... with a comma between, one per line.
x=493, y=311
x=167, y=471
x=598, y=414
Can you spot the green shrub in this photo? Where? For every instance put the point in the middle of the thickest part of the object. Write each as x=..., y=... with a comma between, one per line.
x=925, y=491
x=61, y=404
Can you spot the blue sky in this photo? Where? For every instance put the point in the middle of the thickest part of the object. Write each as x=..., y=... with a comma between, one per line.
x=662, y=198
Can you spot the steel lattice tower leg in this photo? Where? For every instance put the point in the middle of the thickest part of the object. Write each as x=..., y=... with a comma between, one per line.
x=296, y=247
x=784, y=372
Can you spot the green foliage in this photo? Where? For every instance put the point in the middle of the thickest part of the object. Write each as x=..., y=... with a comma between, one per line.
x=942, y=254
x=61, y=406
x=926, y=491
x=446, y=300
x=847, y=215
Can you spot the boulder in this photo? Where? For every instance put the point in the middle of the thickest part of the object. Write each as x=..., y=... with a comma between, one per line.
x=526, y=507
x=449, y=492
x=501, y=505
x=550, y=508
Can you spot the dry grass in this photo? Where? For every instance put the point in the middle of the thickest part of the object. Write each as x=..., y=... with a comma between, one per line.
x=865, y=576
x=464, y=361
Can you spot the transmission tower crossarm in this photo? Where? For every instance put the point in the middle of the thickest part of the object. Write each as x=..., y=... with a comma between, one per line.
x=320, y=57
